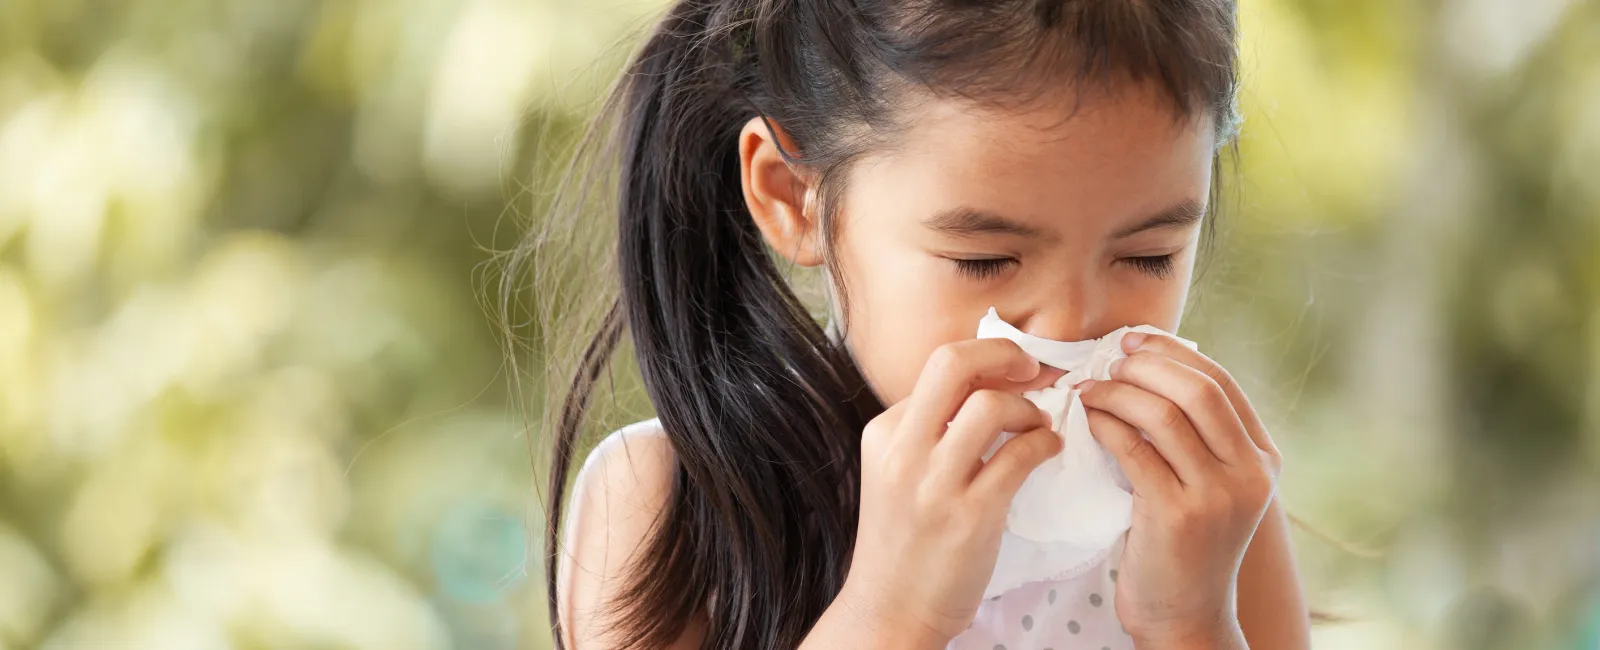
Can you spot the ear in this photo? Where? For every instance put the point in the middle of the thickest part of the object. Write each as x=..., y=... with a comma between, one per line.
x=778, y=195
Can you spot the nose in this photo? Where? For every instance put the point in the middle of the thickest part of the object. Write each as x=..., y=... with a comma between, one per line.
x=1072, y=313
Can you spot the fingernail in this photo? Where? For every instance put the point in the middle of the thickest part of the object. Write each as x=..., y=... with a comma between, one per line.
x=1115, y=367
x=1132, y=340
x=1031, y=371
x=1086, y=384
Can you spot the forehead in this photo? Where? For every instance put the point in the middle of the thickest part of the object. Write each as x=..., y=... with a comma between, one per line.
x=1118, y=156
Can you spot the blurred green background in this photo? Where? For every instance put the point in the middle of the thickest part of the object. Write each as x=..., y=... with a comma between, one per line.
x=251, y=396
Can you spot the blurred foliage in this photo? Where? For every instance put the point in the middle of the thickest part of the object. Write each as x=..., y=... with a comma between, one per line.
x=250, y=396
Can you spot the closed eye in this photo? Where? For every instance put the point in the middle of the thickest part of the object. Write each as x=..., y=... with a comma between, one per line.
x=1156, y=266
x=982, y=269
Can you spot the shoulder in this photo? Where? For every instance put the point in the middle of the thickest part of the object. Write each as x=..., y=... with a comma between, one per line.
x=614, y=508
x=631, y=467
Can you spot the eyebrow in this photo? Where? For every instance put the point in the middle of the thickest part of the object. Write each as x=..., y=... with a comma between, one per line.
x=1178, y=215
x=972, y=222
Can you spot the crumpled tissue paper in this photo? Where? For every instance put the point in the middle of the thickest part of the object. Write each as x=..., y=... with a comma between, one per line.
x=1072, y=510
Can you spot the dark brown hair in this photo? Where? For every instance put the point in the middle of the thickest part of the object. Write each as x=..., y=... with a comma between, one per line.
x=762, y=408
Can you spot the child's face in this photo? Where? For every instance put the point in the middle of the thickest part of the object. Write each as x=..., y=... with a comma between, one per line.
x=1042, y=214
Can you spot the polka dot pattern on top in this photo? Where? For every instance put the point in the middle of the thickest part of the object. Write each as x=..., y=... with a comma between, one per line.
x=1068, y=613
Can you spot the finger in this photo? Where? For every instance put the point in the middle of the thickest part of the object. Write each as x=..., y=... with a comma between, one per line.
x=959, y=454
x=1201, y=399
x=951, y=374
x=1140, y=461
x=1171, y=347
x=1162, y=421
x=1011, y=464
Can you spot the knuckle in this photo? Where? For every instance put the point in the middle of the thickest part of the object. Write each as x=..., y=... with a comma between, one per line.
x=987, y=403
x=1199, y=394
x=1260, y=488
x=1139, y=449
x=1250, y=493
x=1272, y=461
x=945, y=359
x=1171, y=416
x=1211, y=394
x=1219, y=374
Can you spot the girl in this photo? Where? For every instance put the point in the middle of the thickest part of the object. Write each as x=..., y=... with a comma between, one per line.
x=812, y=488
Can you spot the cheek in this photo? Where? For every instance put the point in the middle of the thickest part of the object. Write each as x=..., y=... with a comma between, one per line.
x=903, y=306
x=1147, y=302
x=1166, y=302
x=891, y=355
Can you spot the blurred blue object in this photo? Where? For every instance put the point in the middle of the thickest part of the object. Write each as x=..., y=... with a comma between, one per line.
x=478, y=552
x=1589, y=637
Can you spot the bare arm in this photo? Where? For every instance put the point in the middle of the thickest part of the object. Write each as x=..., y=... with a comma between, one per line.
x=1272, y=609
x=850, y=623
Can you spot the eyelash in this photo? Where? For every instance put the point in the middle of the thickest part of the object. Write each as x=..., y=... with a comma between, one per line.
x=1156, y=266
x=982, y=269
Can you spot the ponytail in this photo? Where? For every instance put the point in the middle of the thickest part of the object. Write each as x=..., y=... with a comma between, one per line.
x=763, y=410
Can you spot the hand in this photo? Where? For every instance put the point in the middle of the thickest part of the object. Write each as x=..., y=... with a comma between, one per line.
x=931, y=509
x=1203, y=473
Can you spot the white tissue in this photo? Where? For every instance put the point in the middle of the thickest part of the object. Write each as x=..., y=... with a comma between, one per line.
x=1072, y=510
